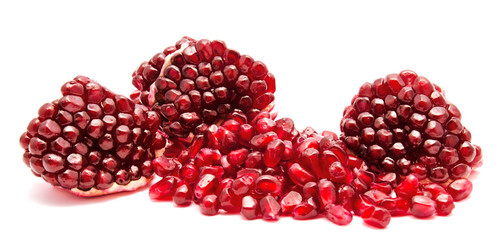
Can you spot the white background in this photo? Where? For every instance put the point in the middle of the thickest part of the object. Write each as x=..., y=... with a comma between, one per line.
x=320, y=53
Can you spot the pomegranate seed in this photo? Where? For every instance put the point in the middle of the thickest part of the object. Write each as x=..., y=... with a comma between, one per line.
x=273, y=153
x=345, y=197
x=183, y=195
x=305, y=210
x=164, y=189
x=408, y=187
x=460, y=189
x=338, y=215
x=326, y=193
x=396, y=206
x=290, y=201
x=376, y=216
x=250, y=207
x=376, y=196
x=228, y=201
x=207, y=184
x=444, y=204
x=422, y=207
x=361, y=203
x=299, y=175
x=209, y=205
x=242, y=185
x=267, y=184
x=270, y=208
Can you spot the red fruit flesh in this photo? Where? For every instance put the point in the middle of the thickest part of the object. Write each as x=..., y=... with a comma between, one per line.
x=92, y=141
x=404, y=124
x=202, y=81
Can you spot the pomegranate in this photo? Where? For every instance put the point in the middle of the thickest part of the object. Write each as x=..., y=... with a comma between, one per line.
x=200, y=82
x=404, y=124
x=92, y=141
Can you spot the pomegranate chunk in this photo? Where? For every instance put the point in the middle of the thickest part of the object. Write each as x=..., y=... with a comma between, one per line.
x=403, y=123
x=93, y=142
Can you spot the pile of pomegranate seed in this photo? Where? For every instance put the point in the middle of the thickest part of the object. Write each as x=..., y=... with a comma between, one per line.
x=92, y=141
x=201, y=121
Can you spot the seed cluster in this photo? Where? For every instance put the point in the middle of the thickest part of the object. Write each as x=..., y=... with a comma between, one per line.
x=403, y=123
x=197, y=82
x=91, y=139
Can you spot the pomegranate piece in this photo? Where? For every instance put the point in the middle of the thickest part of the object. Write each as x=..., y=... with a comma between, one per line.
x=305, y=210
x=376, y=216
x=444, y=204
x=460, y=189
x=408, y=187
x=250, y=207
x=289, y=201
x=361, y=203
x=200, y=82
x=338, y=214
x=422, y=206
x=267, y=184
x=209, y=205
x=404, y=124
x=396, y=206
x=326, y=193
x=164, y=189
x=93, y=142
x=207, y=184
x=270, y=208
x=183, y=195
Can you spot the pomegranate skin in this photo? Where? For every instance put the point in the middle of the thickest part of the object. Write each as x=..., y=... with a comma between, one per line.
x=91, y=141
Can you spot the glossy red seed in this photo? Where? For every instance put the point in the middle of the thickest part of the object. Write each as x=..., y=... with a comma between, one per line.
x=207, y=184
x=273, y=153
x=250, y=207
x=444, y=204
x=270, y=208
x=338, y=214
x=326, y=193
x=164, y=189
x=460, y=189
x=408, y=187
x=396, y=206
x=289, y=201
x=267, y=184
x=183, y=195
x=209, y=205
x=305, y=210
x=422, y=206
x=299, y=175
x=376, y=216
x=361, y=203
